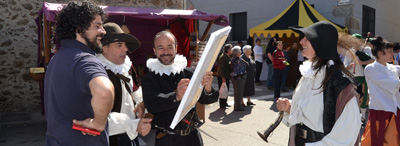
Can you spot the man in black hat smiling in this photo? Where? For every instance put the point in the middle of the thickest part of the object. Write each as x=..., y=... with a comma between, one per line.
x=324, y=109
x=124, y=124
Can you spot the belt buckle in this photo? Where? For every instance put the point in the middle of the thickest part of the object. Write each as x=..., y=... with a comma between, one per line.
x=185, y=132
x=303, y=133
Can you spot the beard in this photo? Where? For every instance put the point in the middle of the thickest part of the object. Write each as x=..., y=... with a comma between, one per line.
x=166, y=63
x=97, y=48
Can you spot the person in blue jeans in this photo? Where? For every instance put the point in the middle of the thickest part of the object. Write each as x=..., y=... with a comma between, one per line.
x=270, y=50
x=279, y=65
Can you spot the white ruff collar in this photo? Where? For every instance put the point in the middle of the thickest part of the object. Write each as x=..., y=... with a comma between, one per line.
x=177, y=66
x=308, y=71
x=121, y=69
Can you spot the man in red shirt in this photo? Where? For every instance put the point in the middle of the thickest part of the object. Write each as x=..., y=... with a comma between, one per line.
x=278, y=63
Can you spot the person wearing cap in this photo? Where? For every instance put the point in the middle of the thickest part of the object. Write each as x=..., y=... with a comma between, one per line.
x=163, y=89
x=324, y=109
x=355, y=60
x=124, y=123
x=77, y=89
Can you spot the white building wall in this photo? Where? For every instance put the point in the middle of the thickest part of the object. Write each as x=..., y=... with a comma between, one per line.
x=387, y=17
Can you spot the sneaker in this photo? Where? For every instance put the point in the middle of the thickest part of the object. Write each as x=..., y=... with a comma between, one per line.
x=250, y=103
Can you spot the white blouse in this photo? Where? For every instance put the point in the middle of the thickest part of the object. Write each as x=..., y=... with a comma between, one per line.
x=125, y=121
x=307, y=107
x=383, y=86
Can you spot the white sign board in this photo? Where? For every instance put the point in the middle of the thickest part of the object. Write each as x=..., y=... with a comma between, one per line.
x=343, y=2
x=193, y=92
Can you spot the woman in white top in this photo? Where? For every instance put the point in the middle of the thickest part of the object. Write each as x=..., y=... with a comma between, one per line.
x=384, y=84
x=324, y=110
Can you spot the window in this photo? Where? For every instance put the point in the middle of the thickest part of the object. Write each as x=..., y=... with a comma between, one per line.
x=238, y=21
x=368, y=21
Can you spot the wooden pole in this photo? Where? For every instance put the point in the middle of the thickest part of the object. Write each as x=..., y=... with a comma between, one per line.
x=203, y=38
x=46, y=42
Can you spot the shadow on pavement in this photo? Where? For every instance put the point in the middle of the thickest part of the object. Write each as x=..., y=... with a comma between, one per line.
x=235, y=116
x=217, y=115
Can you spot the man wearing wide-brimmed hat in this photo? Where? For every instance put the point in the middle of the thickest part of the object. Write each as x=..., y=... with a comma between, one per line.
x=124, y=125
x=324, y=109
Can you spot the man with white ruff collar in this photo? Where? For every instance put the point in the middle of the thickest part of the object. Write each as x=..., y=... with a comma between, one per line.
x=124, y=124
x=324, y=109
x=163, y=89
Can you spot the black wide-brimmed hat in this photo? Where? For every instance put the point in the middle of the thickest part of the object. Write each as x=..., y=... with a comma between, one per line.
x=114, y=33
x=323, y=37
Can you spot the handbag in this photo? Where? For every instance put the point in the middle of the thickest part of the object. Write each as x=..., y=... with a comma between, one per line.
x=223, y=91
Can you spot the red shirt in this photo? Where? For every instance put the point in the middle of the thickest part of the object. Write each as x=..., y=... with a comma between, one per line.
x=278, y=58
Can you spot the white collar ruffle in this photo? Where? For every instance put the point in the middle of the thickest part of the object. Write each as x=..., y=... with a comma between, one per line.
x=177, y=66
x=121, y=68
x=308, y=71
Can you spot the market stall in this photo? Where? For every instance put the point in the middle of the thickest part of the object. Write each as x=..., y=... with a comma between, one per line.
x=143, y=23
x=299, y=13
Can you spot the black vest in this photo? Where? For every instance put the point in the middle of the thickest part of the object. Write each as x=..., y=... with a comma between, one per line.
x=116, y=81
x=333, y=88
x=118, y=88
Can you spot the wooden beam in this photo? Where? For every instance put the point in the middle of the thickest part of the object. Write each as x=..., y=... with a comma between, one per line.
x=46, y=43
x=203, y=38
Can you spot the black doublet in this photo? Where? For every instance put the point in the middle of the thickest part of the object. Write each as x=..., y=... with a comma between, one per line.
x=159, y=96
x=118, y=88
x=116, y=81
x=333, y=88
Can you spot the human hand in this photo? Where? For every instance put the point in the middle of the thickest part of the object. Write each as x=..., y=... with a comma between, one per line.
x=207, y=81
x=140, y=110
x=283, y=104
x=89, y=123
x=144, y=126
x=181, y=89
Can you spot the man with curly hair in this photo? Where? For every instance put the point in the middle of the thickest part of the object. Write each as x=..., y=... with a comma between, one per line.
x=77, y=88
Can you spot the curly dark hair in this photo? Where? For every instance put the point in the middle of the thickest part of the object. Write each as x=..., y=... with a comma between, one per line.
x=76, y=17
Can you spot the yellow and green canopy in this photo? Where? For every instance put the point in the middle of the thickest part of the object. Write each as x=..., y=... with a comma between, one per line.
x=299, y=13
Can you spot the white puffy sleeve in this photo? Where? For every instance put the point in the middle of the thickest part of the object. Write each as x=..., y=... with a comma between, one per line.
x=121, y=123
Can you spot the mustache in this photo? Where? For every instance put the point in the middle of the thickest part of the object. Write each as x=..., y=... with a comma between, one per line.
x=100, y=35
x=166, y=55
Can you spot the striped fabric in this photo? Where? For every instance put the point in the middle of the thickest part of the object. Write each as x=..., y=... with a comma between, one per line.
x=299, y=13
